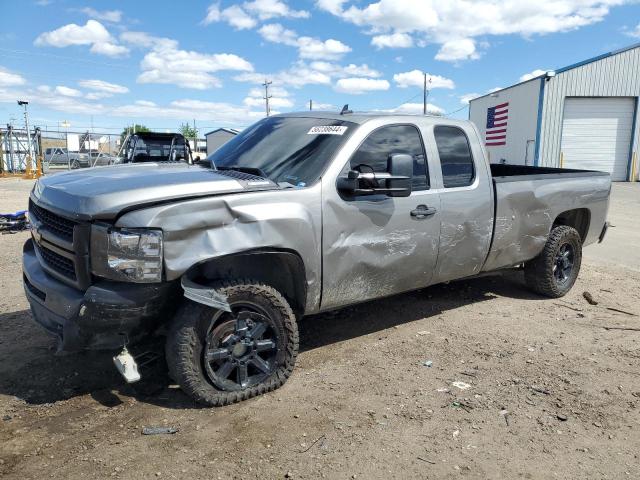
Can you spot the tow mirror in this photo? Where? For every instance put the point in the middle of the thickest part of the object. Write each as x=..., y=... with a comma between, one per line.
x=395, y=182
x=400, y=168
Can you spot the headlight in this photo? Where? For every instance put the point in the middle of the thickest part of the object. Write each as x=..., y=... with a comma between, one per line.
x=132, y=254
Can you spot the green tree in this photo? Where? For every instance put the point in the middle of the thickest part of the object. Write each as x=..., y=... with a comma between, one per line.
x=131, y=129
x=188, y=131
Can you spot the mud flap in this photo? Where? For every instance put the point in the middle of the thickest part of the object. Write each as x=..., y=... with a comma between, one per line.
x=204, y=295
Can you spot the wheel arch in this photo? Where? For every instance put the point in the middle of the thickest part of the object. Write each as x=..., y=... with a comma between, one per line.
x=282, y=269
x=578, y=218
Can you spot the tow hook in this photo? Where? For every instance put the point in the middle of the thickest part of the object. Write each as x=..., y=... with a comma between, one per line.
x=127, y=366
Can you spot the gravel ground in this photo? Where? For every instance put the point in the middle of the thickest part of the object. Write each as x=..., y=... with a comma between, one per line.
x=550, y=389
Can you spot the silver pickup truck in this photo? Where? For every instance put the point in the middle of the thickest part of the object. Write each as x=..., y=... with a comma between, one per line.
x=298, y=214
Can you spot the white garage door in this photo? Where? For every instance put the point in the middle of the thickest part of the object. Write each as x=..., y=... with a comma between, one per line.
x=596, y=134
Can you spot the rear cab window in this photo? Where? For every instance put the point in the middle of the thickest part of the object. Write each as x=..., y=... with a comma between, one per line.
x=389, y=140
x=456, y=159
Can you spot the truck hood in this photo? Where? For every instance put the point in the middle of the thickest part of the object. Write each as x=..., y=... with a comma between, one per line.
x=104, y=192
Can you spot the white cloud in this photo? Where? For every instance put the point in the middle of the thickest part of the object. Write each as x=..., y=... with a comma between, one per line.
x=308, y=47
x=296, y=76
x=67, y=92
x=314, y=73
x=536, y=73
x=246, y=15
x=416, y=109
x=9, y=79
x=92, y=33
x=356, y=86
x=114, y=16
x=145, y=103
x=323, y=106
x=279, y=98
x=394, y=40
x=109, y=49
x=457, y=50
x=466, y=98
x=635, y=33
x=266, y=9
x=455, y=23
x=102, y=86
x=167, y=63
x=351, y=70
x=179, y=110
x=325, y=50
x=237, y=18
x=415, y=78
x=276, y=33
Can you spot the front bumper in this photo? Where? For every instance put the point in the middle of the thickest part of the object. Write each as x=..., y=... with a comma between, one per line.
x=104, y=316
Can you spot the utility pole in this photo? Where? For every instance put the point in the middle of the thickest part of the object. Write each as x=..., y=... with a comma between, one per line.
x=266, y=95
x=195, y=137
x=424, y=97
x=310, y=105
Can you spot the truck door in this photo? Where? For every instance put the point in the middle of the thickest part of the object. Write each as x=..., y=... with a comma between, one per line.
x=375, y=246
x=466, y=200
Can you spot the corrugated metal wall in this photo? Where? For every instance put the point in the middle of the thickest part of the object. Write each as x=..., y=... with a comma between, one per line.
x=614, y=76
x=521, y=125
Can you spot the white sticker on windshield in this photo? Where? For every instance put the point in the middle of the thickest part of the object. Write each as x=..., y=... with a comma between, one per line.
x=327, y=130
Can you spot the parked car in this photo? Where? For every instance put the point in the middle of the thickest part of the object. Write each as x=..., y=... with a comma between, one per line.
x=299, y=214
x=59, y=157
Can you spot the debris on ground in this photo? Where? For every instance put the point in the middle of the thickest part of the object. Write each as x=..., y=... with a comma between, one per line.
x=589, y=298
x=13, y=222
x=159, y=430
x=427, y=363
x=461, y=385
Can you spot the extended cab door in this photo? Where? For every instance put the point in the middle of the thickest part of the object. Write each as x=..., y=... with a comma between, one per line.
x=375, y=246
x=466, y=200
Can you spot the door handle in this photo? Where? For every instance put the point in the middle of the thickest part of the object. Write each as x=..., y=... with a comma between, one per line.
x=422, y=211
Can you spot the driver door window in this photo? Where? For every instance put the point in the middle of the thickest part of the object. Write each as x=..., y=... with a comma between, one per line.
x=386, y=141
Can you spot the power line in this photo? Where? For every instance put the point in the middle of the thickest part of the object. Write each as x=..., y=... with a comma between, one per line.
x=456, y=111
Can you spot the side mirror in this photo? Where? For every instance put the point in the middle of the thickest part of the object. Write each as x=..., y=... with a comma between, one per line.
x=400, y=168
x=395, y=182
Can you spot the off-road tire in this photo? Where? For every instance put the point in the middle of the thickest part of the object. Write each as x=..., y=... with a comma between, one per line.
x=75, y=164
x=539, y=272
x=186, y=340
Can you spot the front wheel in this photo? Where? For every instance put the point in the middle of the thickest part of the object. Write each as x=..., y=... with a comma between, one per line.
x=219, y=358
x=554, y=271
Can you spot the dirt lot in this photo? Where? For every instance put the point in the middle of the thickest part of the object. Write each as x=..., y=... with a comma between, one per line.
x=552, y=392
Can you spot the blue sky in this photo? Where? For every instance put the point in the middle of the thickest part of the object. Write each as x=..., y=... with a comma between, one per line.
x=114, y=63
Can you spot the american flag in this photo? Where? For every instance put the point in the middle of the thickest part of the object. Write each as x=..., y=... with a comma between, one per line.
x=497, y=117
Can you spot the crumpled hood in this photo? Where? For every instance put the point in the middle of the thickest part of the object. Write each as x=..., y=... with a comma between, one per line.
x=103, y=192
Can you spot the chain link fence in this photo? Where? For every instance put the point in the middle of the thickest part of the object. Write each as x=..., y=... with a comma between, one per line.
x=52, y=151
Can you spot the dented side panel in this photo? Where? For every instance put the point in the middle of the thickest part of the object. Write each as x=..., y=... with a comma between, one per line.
x=373, y=247
x=203, y=229
x=527, y=209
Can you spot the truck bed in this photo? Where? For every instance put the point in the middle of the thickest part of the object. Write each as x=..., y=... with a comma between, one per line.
x=508, y=173
x=528, y=201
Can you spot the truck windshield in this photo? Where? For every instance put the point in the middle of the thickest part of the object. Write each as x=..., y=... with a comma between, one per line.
x=288, y=150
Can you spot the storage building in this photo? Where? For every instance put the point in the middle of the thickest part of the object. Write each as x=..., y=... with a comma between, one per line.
x=583, y=116
x=218, y=137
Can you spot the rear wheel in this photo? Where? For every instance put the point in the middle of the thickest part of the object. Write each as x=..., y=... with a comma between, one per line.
x=220, y=357
x=554, y=271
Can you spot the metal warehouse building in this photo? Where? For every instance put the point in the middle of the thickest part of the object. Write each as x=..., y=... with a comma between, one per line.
x=582, y=116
